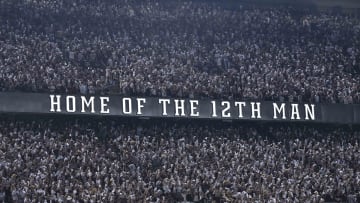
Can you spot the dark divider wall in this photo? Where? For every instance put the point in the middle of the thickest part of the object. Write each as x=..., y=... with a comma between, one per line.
x=27, y=103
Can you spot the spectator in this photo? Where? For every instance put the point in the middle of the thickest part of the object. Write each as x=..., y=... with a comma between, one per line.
x=168, y=162
x=179, y=49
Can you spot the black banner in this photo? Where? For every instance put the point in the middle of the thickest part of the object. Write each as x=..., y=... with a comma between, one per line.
x=182, y=108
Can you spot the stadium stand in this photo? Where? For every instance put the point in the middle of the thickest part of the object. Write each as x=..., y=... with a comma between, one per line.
x=128, y=161
x=180, y=49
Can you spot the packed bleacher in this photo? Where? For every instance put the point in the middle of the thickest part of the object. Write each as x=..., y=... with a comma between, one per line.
x=179, y=49
x=182, y=49
x=108, y=160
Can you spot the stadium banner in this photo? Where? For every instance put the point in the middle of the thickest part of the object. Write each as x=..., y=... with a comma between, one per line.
x=178, y=108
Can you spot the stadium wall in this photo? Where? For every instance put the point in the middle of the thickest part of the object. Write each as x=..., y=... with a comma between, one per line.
x=151, y=107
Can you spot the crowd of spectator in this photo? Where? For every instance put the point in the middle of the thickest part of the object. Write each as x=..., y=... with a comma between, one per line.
x=120, y=161
x=180, y=49
x=186, y=49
